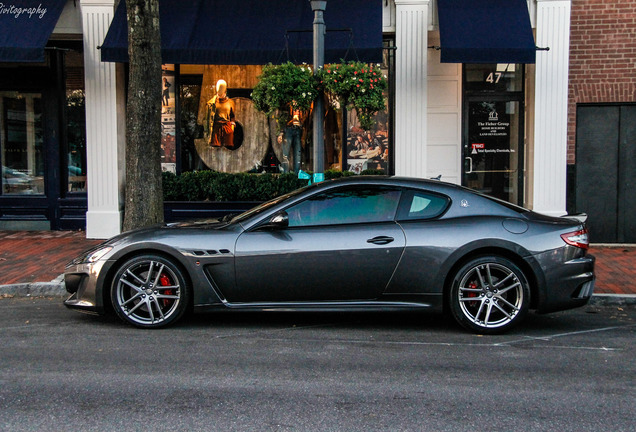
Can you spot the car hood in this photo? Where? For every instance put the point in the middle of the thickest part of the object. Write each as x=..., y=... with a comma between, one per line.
x=160, y=230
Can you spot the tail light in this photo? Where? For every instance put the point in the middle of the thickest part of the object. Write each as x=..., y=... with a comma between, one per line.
x=579, y=239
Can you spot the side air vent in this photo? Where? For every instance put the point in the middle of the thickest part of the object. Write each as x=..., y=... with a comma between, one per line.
x=202, y=253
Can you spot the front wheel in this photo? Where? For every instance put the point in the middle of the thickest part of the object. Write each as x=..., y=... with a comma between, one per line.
x=149, y=291
x=489, y=295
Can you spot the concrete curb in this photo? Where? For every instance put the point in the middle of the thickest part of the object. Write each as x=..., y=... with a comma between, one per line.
x=56, y=288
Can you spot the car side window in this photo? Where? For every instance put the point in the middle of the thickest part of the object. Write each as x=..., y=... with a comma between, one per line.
x=418, y=205
x=346, y=206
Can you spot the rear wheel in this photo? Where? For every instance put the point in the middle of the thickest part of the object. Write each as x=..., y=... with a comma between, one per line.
x=489, y=295
x=149, y=291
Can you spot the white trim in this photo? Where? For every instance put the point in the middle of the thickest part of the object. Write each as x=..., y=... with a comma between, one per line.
x=104, y=215
x=551, y=106
x=411, y=40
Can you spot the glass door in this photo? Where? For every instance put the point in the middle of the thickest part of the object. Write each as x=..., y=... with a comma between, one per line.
x=492, y=153
x=493, y=131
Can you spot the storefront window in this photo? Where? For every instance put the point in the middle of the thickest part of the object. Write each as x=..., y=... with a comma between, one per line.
x=168, y=120
x=76, y=121
x=189, y=98
x=21, y=138
x=370, y=149
x=252, y=142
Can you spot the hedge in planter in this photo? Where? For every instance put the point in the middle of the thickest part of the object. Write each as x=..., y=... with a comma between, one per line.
x=216, y=186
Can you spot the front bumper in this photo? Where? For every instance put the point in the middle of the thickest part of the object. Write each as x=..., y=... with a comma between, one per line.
x=81, y=281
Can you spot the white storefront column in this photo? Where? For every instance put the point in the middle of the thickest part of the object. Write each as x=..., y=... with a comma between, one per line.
x=551, y=106
x=411, y=40
x=104, y=215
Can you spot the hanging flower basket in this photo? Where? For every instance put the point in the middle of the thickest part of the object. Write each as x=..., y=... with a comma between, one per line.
x=283, y=88
x=356, y=85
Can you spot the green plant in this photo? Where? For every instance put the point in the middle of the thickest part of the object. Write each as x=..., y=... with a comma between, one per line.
x=285, y=87
x=356, y=85
x=216, y=186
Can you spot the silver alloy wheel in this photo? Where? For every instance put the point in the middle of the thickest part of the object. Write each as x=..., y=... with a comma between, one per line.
x=148, y=292
x=490, y=295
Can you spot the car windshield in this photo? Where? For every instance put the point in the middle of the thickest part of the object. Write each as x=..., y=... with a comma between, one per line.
x=268, y=204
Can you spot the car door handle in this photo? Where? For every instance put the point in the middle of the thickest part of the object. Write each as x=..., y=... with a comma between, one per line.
x=381, y=240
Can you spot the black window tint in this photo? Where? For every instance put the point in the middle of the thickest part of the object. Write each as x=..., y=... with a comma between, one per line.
x=346, y=206
x=423, y=205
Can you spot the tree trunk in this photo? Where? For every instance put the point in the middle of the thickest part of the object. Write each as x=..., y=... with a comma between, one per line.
x=144, y=194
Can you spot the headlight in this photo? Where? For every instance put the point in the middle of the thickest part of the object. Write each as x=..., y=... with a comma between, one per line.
x=92, y=255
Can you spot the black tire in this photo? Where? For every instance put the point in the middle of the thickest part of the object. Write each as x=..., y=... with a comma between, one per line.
x=149, y=291
x=489, y=295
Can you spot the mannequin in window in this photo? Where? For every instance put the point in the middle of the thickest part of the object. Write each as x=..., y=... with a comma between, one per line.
x=221, y=117
x=292, y=143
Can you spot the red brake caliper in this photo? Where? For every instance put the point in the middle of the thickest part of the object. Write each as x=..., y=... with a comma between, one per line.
x=472, y=285
x=164, y=280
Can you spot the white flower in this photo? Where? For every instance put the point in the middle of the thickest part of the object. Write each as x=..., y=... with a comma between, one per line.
x=273, y=88
x=304, y=94
x=363, y=90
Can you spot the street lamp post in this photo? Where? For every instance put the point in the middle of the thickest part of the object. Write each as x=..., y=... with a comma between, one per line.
x=318, y=7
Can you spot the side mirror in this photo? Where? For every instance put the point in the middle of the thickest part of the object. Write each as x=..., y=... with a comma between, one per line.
x=280, y=220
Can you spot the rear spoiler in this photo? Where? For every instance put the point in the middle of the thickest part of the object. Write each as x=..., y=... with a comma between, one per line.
x=579, y=217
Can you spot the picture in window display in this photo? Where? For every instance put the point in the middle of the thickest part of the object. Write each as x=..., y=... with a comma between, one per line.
x=168, y=125
x=368, y=149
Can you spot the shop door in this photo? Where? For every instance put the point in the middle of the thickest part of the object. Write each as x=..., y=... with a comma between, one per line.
x=606, y=171
x=493, y=131
x=30, y=137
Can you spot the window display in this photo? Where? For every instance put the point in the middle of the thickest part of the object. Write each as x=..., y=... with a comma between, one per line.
x=168, y=118
x=221, y=129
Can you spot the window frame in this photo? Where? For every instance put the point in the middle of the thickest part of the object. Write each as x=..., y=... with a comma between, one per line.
x=349, y=188
x=407, y=199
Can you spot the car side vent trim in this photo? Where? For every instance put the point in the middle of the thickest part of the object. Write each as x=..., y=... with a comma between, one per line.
x=201, y=253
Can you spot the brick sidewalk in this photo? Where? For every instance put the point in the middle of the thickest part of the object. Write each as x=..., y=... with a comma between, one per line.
x=615, y=269
x=40, y=256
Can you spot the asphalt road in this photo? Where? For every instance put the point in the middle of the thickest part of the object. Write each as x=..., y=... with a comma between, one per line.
x=61, y=370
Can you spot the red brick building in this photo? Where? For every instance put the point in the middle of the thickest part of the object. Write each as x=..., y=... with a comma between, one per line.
x=602, y=115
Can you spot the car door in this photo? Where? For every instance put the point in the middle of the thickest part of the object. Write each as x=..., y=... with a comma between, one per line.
x=341, y=244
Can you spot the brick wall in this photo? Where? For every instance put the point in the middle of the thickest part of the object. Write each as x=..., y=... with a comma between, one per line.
x=602, y=56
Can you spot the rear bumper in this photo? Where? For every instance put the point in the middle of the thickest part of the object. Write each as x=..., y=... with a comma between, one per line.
x=568, y=285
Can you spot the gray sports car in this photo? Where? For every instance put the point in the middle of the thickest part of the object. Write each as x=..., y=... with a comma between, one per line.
x=360, y=243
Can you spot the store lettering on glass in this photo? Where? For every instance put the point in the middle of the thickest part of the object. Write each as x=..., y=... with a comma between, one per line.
x=17, y=12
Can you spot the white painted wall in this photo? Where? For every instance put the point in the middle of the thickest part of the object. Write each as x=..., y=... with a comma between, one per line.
x=444, y=138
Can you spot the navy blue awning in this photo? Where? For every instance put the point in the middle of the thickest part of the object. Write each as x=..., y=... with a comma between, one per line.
x=255, y=31
x=25, y=27
x=485, y=31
